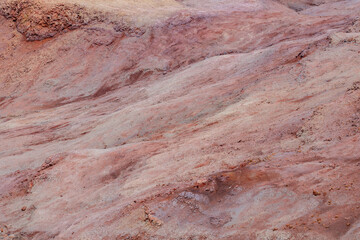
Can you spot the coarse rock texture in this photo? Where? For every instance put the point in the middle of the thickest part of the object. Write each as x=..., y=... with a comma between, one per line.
x=164, y=119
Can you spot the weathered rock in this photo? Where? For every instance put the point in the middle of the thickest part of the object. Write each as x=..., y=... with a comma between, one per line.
x=179, y=119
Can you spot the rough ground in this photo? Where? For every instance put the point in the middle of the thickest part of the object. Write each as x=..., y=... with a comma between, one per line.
x=183, y=119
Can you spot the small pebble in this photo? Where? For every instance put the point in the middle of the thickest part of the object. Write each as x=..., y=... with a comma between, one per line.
x=316, y=193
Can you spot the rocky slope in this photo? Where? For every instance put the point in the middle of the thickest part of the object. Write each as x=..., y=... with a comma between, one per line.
x=183, y=119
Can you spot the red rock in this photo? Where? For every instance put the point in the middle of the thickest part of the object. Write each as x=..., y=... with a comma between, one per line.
x=237, y=109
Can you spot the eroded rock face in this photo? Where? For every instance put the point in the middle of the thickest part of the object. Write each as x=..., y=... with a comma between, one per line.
x=37, y=22
x=179, y=120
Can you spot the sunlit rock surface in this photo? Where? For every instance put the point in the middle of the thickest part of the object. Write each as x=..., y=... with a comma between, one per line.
x=179, y=119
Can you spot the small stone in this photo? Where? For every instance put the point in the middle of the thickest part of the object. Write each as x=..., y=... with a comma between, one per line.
x=23, y=208
x=316, y=193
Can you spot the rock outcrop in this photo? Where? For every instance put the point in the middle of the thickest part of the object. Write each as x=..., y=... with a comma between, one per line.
x=179, y=119
x=37, y=22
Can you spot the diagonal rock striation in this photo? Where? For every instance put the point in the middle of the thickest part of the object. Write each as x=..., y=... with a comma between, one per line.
x=185, y=119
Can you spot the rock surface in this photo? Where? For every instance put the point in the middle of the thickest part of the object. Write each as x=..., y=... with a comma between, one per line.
x=183, y=119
